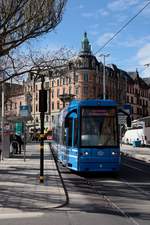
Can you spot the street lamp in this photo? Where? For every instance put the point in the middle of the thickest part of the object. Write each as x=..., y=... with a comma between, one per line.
x=104, y=77
x=2, y=120
x=42, y=110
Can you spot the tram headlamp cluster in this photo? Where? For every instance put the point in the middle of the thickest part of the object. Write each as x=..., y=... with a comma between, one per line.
x=114, y=153
x=84, y=153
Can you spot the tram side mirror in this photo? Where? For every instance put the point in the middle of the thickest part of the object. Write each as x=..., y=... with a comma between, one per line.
x=128, y=121
x=66, y=123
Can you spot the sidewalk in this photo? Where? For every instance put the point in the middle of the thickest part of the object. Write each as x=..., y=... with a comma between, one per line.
x=20, y=189
x=140, y=153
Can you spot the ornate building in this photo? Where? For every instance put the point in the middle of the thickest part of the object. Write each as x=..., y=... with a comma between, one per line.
x=138, y=95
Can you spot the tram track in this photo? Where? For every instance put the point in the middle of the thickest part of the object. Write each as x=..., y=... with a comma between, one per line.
x=134, y=187
x=105, y=189
x=110, y=202
x=145, y=170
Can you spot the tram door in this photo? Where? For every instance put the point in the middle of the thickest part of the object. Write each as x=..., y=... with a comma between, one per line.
x=71, y=142
x=69, y=128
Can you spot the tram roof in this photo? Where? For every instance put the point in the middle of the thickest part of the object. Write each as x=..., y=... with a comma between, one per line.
x=92, y=102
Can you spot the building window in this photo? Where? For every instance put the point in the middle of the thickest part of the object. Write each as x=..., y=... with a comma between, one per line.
x=52, y=105
x=36, y=96
x=46, y=85
x=57, y=82
x=58, y=92
x=52, y=119
x=85, y=91
x=76, y=78
x=46, y=118
x=36, y=107
x=58, y=105
x=69, y=80
x=66, y=80
x=10, y=105
x=63, y=81
x=85, y=77
x=77, y=91
x=37, y=120
x=70, y=90
x=128, y=99
x=52, y=93
x=52, y=83
x=60, y=81
x=63, y=91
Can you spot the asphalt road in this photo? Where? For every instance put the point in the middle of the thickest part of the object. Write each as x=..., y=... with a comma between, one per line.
x=99, y=200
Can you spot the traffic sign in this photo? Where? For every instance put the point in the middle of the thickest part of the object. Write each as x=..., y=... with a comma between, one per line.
x=122, y=118
x=24, y=111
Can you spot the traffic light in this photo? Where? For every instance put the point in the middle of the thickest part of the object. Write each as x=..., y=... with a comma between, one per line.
x=42, y=100
x=128, y=121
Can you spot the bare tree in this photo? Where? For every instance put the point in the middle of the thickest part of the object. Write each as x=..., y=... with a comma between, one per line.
x=21, y=20
x=16, y=66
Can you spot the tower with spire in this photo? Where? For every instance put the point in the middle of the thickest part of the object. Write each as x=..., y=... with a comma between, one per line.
x=85, y=46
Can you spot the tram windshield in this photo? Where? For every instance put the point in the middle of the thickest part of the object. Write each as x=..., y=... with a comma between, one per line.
x=98, y=127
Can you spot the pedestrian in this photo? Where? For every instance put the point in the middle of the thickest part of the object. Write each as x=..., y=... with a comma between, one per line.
x=20, y=142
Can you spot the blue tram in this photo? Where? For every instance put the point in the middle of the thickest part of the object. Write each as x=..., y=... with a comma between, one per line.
x=86, y=136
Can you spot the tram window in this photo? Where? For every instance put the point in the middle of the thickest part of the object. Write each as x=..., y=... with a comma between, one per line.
x=63, y=135
x=75, y=132
x=69, y=131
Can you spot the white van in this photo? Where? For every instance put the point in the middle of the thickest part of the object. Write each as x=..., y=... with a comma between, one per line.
x=140, y=130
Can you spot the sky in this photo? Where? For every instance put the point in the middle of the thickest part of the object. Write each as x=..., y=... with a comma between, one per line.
x=101, y=19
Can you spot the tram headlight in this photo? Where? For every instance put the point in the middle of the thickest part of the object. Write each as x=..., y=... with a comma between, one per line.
x=84, y=153
x=114, y=153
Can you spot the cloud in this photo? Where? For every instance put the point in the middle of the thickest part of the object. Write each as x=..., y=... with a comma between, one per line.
x=104, y=38
x=87, y=14
x=81, y=6
x=103, y=12
x=143, y=54
x=144, y=58
x=93, y=29
x=135, y=42
x=121, y=5
x=93, y=33
x=146, y=11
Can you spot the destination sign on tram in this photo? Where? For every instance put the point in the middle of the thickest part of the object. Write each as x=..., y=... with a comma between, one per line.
x=98, y=112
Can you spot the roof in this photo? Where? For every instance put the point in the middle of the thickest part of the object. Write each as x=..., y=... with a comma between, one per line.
x=147, y=80
x=135, y=76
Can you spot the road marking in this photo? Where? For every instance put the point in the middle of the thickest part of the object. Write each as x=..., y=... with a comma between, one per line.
x=135, y=187
x=133, y=167
x=20, y=215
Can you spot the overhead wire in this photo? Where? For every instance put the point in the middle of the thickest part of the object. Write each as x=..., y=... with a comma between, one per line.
x=125, y=25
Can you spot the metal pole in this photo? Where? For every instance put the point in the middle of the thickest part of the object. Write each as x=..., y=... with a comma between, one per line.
x=104, y=80
x=104, y=75
x=34, y=104
x=24, y=144
x=42, y=114
x=2, y=122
